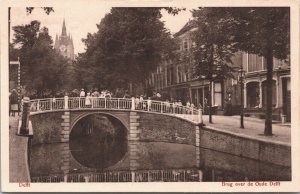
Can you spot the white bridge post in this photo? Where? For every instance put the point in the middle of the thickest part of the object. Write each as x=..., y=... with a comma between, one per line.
x=38, y=105
x=66, y=99
x=50, y=103
x=132, y=104
x=200, y=120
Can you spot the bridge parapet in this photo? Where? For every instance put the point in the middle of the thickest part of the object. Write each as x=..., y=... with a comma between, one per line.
x=78, y=103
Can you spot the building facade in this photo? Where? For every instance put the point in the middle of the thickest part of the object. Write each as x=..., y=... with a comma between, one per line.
x=64, y=43
x=255, y=97
x=174, y=81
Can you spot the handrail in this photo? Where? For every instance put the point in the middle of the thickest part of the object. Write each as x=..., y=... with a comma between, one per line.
x=171, y=175
x=80, y=103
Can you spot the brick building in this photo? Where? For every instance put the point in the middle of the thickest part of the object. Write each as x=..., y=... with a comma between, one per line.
x=174, y=81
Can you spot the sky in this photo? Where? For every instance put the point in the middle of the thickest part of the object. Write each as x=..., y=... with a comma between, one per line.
x=81, y=24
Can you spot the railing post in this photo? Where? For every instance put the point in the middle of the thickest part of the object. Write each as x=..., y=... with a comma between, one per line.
x=86, y=179
x=79, y=100
x=132, y=104
x=93, y=101
x=50, y=101
x=105, y=103
x=66, y=99
x=200, y=120
x=118, y=104
x=66, y=178
x=161, y=107
x=132, y=177
x=38, y=105
x=200, y=175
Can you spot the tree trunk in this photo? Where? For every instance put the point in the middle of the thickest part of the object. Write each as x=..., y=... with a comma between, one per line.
x=268, y=121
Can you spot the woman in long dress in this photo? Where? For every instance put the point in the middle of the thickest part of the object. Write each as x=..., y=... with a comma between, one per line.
x=88, y=100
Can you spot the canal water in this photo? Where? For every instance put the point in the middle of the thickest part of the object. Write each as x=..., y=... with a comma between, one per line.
x=99, y=147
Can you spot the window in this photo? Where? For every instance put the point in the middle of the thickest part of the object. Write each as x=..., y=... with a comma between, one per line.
x=185, y=45
x=218, y=94
x=255, y=63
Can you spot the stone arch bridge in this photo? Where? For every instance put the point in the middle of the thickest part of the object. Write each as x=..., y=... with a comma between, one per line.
x=54, y=118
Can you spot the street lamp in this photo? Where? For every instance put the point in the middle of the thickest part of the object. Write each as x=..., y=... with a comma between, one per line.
x=241, y=81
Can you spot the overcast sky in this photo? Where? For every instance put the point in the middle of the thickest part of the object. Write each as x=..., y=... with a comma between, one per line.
x=80, y=24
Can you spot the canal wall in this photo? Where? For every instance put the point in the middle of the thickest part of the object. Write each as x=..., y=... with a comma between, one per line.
x=47, y=127
x=163, y=128
x=245, y=146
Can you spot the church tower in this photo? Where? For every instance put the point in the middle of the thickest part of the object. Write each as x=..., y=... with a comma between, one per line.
x=64, y=43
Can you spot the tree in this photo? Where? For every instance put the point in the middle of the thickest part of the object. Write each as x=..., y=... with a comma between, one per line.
x=214, y=46
x=47, y=10
x=130, y=42
x=41, y=67
x=265, y=32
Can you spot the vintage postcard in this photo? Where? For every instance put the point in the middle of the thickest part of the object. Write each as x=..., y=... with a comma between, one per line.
x=133, y=96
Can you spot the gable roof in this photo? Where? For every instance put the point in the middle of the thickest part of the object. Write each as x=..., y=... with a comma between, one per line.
x=187, y=27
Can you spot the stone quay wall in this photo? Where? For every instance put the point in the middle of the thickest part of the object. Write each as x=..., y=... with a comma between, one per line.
x=47, y=127
x=245, y=146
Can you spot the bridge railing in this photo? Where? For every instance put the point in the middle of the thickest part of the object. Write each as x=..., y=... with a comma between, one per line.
x=78, y=103
x=176, y=175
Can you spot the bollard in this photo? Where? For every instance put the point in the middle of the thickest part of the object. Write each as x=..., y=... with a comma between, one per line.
x=66, y=99
x=24, y=129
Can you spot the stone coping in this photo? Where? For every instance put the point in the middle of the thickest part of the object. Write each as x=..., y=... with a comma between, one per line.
x=224, y=131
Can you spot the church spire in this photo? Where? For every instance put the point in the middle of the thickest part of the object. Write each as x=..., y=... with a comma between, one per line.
x=56, y=42
x=64, y=30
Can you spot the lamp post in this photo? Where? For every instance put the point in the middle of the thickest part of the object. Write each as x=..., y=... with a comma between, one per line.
x=19, y=76
x=241, y=80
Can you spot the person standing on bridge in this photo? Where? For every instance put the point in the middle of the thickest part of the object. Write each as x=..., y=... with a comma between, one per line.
x=88, y=102
x=82, y=93
x=81, y=98
x=96, y=93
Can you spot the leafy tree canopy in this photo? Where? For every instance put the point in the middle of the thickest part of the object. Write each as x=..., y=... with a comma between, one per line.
x=42, y=67
x=214, y=43
x=130, y=42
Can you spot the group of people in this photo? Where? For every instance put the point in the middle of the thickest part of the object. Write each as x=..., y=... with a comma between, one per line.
x=158, y=104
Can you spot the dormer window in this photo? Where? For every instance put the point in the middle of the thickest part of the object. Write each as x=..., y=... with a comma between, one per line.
x=185, y=45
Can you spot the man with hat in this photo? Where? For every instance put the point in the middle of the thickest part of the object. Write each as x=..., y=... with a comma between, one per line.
x=82, y=93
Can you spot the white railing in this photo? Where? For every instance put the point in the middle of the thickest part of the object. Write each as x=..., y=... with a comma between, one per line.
x=177, y=175
x=75, y=103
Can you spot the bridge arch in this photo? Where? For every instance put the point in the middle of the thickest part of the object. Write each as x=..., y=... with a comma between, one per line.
x=77, y=118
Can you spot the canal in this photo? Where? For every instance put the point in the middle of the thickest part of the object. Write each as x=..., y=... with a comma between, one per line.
x=98, y=151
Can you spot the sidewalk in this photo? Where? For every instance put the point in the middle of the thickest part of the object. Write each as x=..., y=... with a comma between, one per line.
x=18, y=161
x=253, y=127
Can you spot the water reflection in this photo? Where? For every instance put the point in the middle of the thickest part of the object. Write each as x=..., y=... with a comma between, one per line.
x=98, y=141
x=55, y=160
